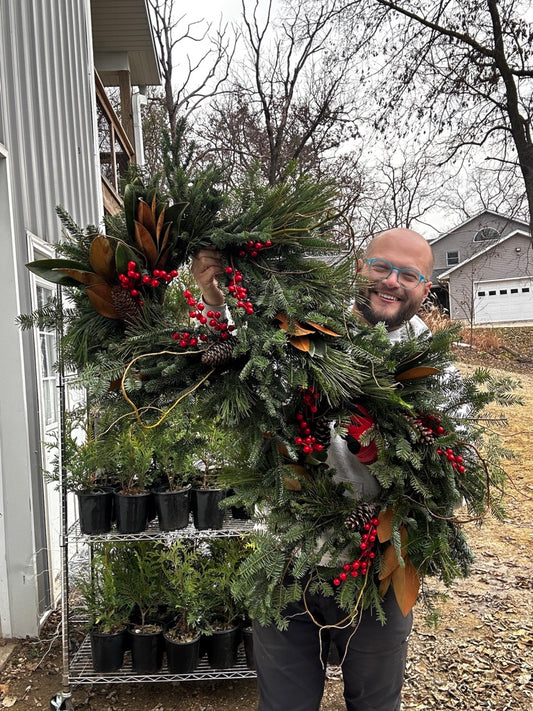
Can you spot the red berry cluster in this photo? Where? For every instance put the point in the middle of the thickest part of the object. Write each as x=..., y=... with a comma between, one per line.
x=432, y=423
x=133, y=280
x=209, y=318
x=305, y=439
x=252, y=248
x=186, y=339
x=455, y=459
x=363, y=563
x=434, y=427
x=239, y=291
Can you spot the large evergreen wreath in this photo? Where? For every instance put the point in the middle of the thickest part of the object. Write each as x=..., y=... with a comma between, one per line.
x=294, y=365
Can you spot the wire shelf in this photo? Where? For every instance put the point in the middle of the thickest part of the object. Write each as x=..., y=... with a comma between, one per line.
x=230, y=527
x=81, y=670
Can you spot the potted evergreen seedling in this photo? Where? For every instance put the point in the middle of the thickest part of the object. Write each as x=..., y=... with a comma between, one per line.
x=130, y=451
x=225, y=613
x=172, y=443
x=215, y=443
x=142, y=583
x=82, y=457
x=183, y=566
x=107, y=608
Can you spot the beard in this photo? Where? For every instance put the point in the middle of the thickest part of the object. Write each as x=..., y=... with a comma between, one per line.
x=373, y=315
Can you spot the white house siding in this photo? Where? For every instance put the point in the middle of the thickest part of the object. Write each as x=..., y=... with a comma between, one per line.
x=513, y=258
x=48, y=157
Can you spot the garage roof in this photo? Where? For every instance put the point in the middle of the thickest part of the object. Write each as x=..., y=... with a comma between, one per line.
x=444, y=275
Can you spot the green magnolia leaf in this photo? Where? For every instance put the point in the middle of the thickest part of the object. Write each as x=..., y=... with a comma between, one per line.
x=132, y=193
x=174, y=212
x=123, y=255
x=49, y=269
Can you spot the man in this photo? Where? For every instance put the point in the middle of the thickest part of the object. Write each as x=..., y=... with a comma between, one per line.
x=290, y=669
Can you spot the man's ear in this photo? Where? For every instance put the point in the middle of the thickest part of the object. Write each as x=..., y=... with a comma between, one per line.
x=427, y=287
x=359, y=265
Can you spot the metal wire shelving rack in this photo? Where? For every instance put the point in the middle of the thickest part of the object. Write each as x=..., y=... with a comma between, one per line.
x=77, y=662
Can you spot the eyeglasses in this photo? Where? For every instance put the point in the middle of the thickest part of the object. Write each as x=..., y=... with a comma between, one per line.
x=381, y=269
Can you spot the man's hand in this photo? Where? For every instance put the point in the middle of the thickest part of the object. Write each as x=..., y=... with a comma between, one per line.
x=205, y=267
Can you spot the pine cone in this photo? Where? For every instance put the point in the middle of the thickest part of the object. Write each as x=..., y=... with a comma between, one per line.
x=322, y=431
x=125, y=304
x=426, y=435
x=361, y=515
x=219, y=353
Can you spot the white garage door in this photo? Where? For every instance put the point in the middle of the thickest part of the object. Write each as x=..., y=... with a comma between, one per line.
x=503, y=300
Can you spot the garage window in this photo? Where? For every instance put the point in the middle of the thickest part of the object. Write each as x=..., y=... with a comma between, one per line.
x=492, y=293
x=481, y=293
x=525, y=290
x=514, y=291
x=503, y=291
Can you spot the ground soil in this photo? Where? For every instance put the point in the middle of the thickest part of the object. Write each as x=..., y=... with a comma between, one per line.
x=478, y=658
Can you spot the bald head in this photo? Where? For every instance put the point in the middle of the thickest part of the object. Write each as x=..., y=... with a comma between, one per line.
x=404, y=242
x=384, y=298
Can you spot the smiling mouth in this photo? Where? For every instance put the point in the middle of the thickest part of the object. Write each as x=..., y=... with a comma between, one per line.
x=387, y=297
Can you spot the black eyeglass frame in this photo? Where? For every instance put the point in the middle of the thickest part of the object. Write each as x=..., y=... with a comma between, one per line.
x=412, y=270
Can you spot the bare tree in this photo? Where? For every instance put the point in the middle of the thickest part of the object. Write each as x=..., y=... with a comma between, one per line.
x=463, y=68
x=288, y=103
x=199, y=78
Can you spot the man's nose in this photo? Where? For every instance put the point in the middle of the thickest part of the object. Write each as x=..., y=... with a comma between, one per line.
x=392, y=279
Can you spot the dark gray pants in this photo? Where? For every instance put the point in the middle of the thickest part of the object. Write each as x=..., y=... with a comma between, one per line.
x=289, y=669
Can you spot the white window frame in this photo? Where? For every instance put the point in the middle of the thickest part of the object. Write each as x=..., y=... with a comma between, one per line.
x=453, y=263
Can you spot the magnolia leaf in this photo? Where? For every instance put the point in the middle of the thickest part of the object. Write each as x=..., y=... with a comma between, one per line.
x=83, y=277
x=100, y=296
x=384, y=528
x=174, y=212
x=146, y=243
x=295, y=330
x=132, y=192
x=389, y=562
x=146, y=216
x=406, y=584
x=102, y=257
x=292, y=484
x=163, y=259
x=49, y=269
x=422, y=371
x=159, y=227
x=123, y=255
x=163, y=243
x=322, y=329
x=301, y=342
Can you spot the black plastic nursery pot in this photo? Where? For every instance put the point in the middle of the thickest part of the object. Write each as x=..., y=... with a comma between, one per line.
x=172, y=509
x=107, y=650
x=248, y=641
x=221, y=646
x=132, y=511
x=182, y=657
x=95, y=510
x=146, y=650
x=206, y=510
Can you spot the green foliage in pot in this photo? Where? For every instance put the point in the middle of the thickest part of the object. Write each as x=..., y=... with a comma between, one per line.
x=217, y=454
x=224, y=558
x=173, y=444
x=83, y=455
x=129, y=451
x=102, y=596
x=141, y=580
x=186, y=588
